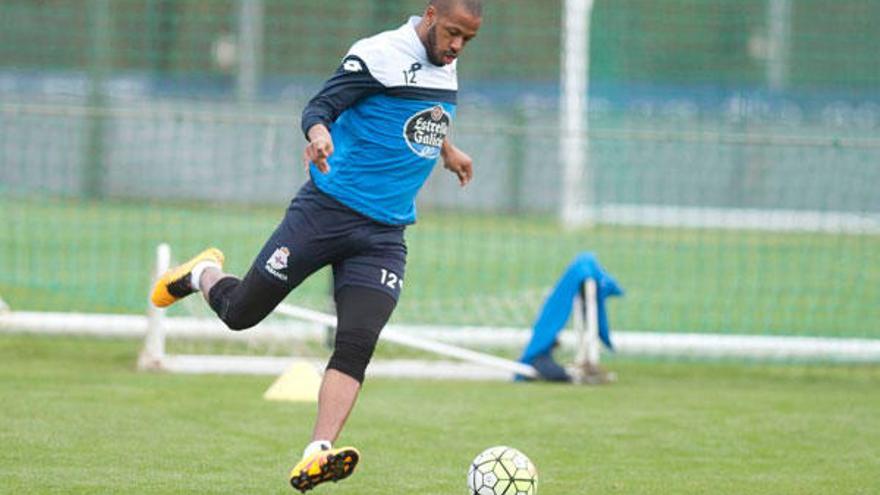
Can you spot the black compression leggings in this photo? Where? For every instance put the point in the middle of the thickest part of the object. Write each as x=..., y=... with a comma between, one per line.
x=361, y=312
x=242, y=304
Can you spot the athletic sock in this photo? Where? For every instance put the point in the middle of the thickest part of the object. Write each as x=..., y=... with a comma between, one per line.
x=197, y=271
x=316, y=446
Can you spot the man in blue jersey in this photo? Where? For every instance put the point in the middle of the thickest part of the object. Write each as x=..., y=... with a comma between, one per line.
x=375, y=131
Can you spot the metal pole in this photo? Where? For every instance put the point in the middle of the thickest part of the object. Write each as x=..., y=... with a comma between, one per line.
x=573, y=103
x=100, y=61
x=779, y=42
x=154, y=342
x=586, y=326
x=250, y=47
x=592, y=314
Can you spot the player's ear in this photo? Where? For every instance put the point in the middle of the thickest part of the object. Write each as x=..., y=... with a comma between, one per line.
x=430, y=14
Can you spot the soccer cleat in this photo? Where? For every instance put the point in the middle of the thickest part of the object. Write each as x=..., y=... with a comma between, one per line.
x=322, y=466
x=176, y=283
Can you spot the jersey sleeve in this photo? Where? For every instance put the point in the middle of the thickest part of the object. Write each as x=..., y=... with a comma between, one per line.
x=351, y=82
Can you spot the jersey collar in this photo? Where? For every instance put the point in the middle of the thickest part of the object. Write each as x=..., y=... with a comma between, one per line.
x=410, y=29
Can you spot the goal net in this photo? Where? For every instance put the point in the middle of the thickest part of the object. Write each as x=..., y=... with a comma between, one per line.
x=721, y=158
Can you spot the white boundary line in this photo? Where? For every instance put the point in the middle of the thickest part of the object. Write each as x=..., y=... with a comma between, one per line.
x=626, y=343
x=777, y=220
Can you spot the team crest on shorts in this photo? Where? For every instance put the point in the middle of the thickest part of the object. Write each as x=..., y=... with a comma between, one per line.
x=278, y=262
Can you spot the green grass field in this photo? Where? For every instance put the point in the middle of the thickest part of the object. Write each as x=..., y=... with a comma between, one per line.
x=67, y=255
x=78, y=418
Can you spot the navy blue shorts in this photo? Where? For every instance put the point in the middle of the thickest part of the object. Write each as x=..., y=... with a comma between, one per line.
x=318, y=231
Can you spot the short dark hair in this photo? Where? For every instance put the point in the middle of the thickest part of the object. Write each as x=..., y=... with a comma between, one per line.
x=474, y=7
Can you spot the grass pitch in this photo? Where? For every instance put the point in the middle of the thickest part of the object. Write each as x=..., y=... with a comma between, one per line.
x=77, y=418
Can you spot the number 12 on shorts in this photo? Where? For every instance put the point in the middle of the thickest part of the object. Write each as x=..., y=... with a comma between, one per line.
x=391, y=280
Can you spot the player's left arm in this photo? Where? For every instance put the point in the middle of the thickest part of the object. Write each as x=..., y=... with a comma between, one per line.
x=457, y=162
x=351, y=83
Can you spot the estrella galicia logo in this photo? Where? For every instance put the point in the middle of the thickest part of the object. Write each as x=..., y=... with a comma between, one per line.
x=425, y=131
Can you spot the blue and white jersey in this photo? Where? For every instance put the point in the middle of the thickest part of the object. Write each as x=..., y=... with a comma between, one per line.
x=389, y=110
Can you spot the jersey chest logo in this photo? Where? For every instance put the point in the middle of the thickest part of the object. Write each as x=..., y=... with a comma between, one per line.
x=425, y=131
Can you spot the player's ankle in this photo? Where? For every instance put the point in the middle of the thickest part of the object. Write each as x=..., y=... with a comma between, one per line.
x=317, y=446
x=198, y=270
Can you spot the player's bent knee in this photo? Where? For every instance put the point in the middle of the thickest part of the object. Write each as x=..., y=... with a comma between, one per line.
x=232, y=309
x=353, y=353
x=238, y=323
x=238, y=316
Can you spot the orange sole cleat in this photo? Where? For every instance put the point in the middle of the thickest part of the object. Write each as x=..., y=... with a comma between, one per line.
x=175, y=283
x=322, y=466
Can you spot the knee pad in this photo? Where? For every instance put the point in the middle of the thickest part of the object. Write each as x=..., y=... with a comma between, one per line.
x=361, y=314
x=354, y=349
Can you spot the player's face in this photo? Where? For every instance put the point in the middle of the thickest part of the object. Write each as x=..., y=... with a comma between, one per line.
x=449, y=33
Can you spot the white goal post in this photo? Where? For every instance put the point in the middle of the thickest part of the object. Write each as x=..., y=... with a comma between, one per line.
x=577, y=206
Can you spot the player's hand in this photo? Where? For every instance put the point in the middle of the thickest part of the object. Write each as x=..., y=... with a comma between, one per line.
x=319, y=149
x=457, y=162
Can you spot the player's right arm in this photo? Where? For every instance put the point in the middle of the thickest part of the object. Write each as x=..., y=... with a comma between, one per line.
x=351, y=82
x=319, y=149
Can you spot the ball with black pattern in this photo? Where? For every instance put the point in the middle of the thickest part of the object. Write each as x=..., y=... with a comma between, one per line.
x=502, y=470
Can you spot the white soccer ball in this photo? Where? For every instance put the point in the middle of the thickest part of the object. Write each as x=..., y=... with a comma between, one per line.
x=502, y=470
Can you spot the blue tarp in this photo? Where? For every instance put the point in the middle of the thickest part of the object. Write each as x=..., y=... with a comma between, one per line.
x=557, y=307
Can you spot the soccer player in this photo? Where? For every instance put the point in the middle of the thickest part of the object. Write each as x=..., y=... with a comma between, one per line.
x=375, y=131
